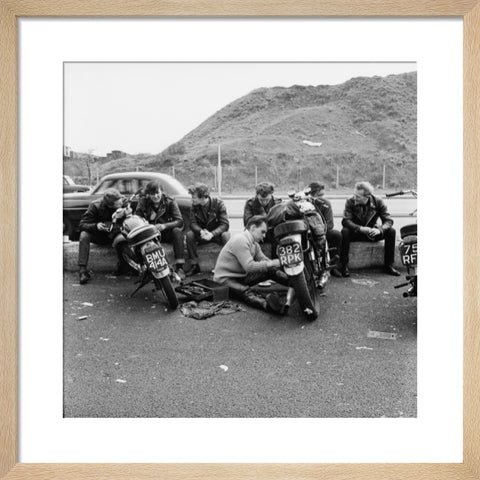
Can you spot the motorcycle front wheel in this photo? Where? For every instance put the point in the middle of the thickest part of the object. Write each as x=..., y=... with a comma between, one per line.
x=306, y=291
x=166, y=285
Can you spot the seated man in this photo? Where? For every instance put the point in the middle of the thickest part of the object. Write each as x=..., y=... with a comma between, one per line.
x=163, y=212
x=360, y=224
x=242, y=264
x=96, y=226
x=208, y=223
x=261, y=203
x=324, y=207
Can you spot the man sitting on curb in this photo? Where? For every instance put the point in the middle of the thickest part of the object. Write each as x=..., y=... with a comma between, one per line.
x=261, y=203
x=163, y=212
x=242, y=264
x=96, y=226
x=360, y=224
x=324, y=207
x=208, y=223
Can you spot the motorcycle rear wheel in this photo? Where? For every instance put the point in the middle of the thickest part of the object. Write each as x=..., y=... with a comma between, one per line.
x=306, y=291
x=166, y=285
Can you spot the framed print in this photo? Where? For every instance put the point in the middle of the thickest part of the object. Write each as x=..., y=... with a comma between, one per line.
x=57, y=418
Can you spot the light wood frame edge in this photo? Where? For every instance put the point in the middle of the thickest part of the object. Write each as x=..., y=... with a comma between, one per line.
x=13, y=9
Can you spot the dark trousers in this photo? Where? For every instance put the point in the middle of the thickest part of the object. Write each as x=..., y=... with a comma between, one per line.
x=334, y=239
x=193, y=239
x=351, y=236
x=99, y=238
x=174, y=236
x=240, y=287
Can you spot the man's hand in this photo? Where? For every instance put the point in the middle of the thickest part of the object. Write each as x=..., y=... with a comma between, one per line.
x=101, y=227
x=374, y=232
x=206, y=235
x=365, y=230
x=160, y=227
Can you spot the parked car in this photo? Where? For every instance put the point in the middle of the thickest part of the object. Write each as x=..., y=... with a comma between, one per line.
x=127, y=183
x=70, y=186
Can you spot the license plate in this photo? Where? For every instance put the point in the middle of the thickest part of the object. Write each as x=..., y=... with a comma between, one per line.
x=408, y=254
x=290, y=255
x=156, y=260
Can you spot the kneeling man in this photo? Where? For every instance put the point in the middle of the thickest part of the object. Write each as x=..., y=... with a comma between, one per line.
x=242, y=264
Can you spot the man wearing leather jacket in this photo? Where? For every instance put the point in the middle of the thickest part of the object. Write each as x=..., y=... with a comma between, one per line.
x=163, y=212
x=324, y=207
x=208, y=223
x=366, y=219
x=96, y=226
x=261, y=203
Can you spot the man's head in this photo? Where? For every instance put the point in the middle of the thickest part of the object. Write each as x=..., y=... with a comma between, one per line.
x=257, y=226
x=317, y=190
x=200, y=194
x=153, y=191
x=362, y=191
x=264, y=192
x=112, y=198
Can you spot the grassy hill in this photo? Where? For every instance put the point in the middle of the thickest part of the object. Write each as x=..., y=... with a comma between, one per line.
x=362, y=125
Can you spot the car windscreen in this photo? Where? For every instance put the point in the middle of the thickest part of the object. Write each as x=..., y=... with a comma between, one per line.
x=128, y=186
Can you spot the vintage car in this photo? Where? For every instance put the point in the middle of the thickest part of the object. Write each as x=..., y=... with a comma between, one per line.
x=127, y=183
x=70, y=186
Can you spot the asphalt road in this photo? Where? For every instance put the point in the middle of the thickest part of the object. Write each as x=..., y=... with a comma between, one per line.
x=136, y=358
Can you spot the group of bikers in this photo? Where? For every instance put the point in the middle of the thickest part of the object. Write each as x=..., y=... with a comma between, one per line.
x=241, y=262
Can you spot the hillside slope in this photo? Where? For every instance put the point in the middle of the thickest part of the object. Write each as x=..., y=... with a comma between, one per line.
x=362, y=125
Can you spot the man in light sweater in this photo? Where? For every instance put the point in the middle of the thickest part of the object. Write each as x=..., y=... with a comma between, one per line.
x=242, y=264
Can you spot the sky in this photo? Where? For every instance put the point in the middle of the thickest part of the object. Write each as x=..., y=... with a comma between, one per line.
x=145, y=107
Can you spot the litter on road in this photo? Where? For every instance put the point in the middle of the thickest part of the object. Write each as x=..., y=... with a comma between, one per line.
x=224, y=367
x=87, y=304
x=382, y=335
x=84, y=317
x=365, y=282
x=364, y=348
x=119, y=380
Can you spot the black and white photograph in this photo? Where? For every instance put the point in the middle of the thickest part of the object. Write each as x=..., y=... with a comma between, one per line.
x=240, y=240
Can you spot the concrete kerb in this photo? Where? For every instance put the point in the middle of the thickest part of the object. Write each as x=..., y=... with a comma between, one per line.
x=104, y=259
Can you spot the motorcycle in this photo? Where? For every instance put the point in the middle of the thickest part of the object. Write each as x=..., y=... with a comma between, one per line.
x=300, y=234
x=408, y=249
x=145, y=253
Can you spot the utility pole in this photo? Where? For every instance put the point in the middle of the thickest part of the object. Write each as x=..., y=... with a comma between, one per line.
x=256, y=175
x=338, y=177
x=173, y=171
x=219, y=167
x=383, y=183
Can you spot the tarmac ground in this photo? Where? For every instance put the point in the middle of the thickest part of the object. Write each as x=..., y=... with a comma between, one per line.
x=135, y=357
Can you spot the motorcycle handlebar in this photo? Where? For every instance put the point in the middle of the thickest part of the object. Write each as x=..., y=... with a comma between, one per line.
x=395, y=194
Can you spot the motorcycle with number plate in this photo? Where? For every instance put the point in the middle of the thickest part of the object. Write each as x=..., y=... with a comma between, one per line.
x=146, y=254
x=300, y=233
x=408, y=249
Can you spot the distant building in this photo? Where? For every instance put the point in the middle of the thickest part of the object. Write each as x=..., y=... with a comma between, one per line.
x=116, y=154
x=67, y=152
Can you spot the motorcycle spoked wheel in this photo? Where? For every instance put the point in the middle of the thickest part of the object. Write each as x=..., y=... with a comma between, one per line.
x=306, y=291
x=166, y=286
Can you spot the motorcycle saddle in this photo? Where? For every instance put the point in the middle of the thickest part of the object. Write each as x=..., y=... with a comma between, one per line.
x=289, y=227
x=142, y=234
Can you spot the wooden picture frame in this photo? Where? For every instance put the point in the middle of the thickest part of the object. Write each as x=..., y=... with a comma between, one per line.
x=12, y=10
